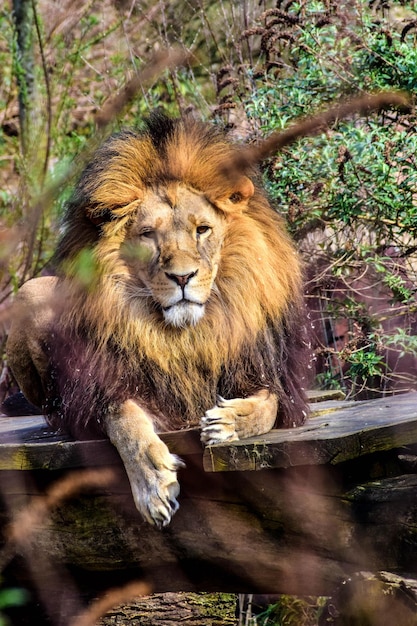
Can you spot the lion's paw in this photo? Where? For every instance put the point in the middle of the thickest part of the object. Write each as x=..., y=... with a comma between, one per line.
x=239, y=418
x=150, y=467
x=219, y=423
x=154, y=484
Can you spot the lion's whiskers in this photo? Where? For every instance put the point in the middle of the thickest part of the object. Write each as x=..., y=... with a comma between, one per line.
x=128, y=289
x=138, y=292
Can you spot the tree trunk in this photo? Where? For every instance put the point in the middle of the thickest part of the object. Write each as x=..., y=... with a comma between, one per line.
x=24, y=64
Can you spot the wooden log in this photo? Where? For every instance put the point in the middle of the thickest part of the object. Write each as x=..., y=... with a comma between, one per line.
x=271, y=531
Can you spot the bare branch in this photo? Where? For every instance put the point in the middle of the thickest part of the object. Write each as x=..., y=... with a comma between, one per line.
x=363, y=105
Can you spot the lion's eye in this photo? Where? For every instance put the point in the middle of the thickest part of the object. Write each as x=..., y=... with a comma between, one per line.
x=203, y=229
x=148, y=233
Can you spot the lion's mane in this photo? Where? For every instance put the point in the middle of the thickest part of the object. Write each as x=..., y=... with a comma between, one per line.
x=107, y=349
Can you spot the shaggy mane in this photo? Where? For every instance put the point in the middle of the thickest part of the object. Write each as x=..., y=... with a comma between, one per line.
x=251, y=334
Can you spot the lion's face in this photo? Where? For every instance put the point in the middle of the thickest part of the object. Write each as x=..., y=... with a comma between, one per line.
x=172, y=251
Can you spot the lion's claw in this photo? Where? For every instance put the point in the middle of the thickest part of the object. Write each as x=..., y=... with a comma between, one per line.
x=155, y=489
x=218, y=425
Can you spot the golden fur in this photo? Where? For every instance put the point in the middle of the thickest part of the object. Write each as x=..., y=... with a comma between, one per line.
x=246, y=298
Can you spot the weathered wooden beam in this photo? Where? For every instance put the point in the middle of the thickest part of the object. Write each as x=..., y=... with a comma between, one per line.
x=335, y=433
x=27, y=443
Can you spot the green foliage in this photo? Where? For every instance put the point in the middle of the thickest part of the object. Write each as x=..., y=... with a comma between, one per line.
x=328, y=380
x=363, y=171
x=403, y=342
x=364, y=363
x=11, y=597
x=84, y=268
x=290, y=611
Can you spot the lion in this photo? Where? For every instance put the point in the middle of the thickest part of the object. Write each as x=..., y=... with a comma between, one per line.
x=190, y=314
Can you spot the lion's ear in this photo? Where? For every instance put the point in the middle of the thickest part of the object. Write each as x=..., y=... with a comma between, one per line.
x=237, y=198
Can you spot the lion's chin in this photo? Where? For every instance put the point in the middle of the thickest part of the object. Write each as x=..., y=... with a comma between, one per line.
x=184, y=314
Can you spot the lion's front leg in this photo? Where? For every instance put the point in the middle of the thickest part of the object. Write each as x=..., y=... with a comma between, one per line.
x=151, y=468
x=239, y=418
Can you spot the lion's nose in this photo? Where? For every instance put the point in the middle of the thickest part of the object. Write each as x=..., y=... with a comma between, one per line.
x=181, y=279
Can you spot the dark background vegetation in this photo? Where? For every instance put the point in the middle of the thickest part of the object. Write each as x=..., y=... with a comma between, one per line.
x=348, y=194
